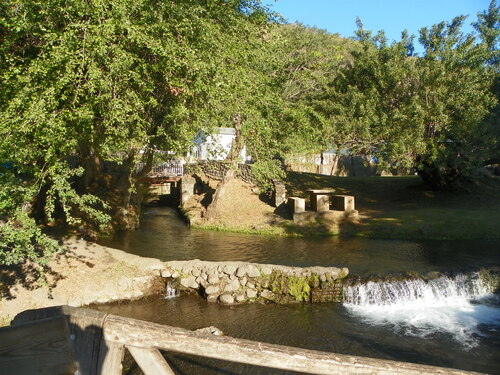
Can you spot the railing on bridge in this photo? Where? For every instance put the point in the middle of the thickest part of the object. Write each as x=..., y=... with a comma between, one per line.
x=99, y=341
x=171, y=168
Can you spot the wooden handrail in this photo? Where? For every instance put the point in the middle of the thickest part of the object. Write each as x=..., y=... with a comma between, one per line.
x=143, y=339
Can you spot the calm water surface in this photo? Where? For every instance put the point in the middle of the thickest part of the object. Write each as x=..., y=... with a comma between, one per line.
x=460, y=333
x=164, y=236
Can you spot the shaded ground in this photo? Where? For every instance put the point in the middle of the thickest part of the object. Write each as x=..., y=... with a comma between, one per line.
x=389, y=207
x=241, y=209
x=402, y=207
x=85, y=273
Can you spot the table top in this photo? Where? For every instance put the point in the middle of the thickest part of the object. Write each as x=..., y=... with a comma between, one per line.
x=319, y=191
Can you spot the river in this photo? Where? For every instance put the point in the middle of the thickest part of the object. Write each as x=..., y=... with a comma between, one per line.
x=443, y=324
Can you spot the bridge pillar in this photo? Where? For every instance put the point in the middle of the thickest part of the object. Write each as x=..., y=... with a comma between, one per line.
x=187, y=188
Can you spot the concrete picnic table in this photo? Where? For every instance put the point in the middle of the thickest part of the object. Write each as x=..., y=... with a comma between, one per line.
x=320, y=199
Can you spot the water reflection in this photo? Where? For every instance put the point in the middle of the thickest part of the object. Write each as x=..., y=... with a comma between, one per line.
x=327, y=327
x=164, y=236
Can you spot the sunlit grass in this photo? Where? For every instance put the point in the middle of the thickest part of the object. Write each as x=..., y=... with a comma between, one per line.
x=403, y=208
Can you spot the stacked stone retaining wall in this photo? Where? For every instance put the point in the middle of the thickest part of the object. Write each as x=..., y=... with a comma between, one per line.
x=237, y=282
x=218, y=169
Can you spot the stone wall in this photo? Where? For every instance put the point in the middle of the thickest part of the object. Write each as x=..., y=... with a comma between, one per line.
x=217, y=170
x=343, y=165
x=238, y=282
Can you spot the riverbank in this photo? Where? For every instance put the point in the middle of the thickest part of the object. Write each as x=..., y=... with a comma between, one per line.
x=84, y=273
x=390, y=207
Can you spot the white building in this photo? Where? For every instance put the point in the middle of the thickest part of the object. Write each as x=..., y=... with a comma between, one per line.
x=216, y=146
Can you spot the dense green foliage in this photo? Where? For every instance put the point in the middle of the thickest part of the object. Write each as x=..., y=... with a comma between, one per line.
x=435, y=112
x=425, y=112
x=89, y=82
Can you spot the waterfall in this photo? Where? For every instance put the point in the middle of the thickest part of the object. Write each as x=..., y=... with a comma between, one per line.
x=463, y=306
x=171, y=288
x=462, y=286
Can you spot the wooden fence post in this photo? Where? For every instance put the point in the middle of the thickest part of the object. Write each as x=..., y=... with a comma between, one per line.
x=150, y=361
x=85, y=329
x=110, y=358
x=40, y=347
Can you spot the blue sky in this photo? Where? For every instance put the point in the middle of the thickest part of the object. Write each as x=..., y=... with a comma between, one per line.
x=339, y=16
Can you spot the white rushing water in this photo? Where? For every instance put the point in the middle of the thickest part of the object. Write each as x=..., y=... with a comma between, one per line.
x=460, y=306
x=171, y=290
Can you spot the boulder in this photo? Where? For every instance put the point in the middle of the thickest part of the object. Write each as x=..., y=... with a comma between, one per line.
x=213, y=278
x=212, y=290
x=266, y=270
x=240, y=298
x=229, y=269
x=200, y=280
x=267, y=294
x=253, y=271
x=186, y=268
x=189, y=282
x=196, y=271
x=251, y=293
x=226, y=299
x=213, y=298
x=166, y=273
x=233, y=286
x=249, y=270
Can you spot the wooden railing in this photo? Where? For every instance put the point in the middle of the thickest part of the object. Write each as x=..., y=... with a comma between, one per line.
x=99, y=341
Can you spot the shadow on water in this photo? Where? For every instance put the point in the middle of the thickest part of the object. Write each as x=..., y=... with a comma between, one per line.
x=165, y=236
x=327, y=327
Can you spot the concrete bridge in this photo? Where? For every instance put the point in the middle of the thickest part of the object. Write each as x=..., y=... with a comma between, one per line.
x=163, y=181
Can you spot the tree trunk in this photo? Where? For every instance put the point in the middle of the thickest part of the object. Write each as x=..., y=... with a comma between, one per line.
x=438, y=177
x=335, y=164
x=91, y=163
x=148, y=166
x=213, y=208
x=232, y=158
x=126, y=215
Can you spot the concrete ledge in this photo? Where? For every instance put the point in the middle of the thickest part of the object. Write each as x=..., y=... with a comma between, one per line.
x=325, y=217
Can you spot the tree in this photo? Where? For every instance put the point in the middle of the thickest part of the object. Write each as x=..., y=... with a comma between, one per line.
x=367, y=103
x=246, y=98
x=92, y=80
x=488, y=28
x=457, y=88
x=311, y=58
x=425, y=112
x=279, y=71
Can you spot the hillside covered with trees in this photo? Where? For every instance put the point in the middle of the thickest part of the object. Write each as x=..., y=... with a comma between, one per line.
x=85, y=82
